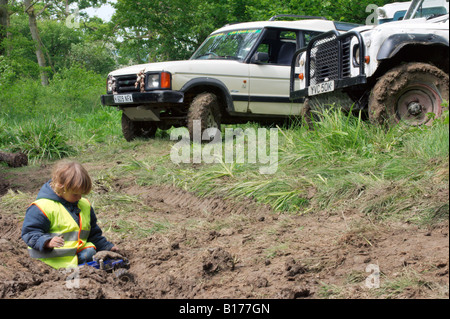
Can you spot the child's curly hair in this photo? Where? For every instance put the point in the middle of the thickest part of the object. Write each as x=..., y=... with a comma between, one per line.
x=70, y=177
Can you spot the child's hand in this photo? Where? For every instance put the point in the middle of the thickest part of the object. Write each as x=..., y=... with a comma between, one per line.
x=115, y=249
x=55, y=242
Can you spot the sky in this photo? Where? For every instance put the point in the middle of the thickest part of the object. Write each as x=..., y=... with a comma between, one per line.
x=104, y=12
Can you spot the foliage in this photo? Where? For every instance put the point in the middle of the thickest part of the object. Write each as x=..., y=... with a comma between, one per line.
x=92, y=56
x=171, y=30
x=56, y=121
x=6, y=72
x=142, y=31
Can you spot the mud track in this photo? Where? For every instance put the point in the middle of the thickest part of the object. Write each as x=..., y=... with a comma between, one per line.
x=221, y=248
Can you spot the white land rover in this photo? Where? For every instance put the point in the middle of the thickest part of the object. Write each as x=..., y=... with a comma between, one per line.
x=395, y=71
x=240, y=73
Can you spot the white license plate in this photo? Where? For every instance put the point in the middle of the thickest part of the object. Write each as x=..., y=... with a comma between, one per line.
x=321, y=88
x=124, y=98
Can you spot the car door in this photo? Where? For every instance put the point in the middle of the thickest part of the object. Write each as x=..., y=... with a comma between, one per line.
x=269, y=80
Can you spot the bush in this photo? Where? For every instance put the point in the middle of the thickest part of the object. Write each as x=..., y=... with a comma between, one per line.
x=6, y=72
x=78, y=88
x=92, y=56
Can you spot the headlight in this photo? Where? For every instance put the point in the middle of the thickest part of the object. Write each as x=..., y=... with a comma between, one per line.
x=158, y=81
x=356, y=59
x=153, y=81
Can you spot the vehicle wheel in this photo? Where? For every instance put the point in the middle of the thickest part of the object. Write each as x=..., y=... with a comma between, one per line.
x=407, y=94
x=124, y=276
x=204, y=108
x=132, y=129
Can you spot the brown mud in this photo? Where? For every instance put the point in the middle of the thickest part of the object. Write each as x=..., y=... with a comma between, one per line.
x=220, y=248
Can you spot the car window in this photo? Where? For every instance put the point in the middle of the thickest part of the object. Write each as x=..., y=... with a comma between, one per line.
x=308, y=35
x=233, y=45
x=277, y=46
x=288, y=35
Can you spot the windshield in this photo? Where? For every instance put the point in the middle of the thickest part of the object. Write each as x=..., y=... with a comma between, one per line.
x=427, y=9
x=233, y=45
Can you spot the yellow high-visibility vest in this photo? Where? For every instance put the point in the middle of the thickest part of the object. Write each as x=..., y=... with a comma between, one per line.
x=62, y=223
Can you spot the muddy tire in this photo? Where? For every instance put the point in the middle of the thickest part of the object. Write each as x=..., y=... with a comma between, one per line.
x=205, y=109
x=123, y=275
x=315, y=106
x=407, y=94
x=133, y=129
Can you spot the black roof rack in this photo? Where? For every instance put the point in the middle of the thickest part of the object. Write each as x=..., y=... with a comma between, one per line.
x=295, y=16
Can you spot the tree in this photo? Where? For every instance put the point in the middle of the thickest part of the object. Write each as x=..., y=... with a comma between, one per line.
x=166, y=29
x=4, y=20
x=32, y=21
x=155, y=30
x=57, y=8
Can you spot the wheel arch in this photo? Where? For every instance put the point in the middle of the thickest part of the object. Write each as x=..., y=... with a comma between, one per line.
x=395, y=52
x=200, y=85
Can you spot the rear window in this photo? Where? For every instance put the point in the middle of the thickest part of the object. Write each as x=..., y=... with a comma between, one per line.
x=345, y=26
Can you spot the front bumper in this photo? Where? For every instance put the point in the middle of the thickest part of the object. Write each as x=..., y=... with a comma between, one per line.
x=135, y=98
x=333, y=61
x=338, y=85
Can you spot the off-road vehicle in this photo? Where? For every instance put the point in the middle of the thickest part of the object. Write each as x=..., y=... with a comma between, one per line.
x=239, y=74
x=396, y=71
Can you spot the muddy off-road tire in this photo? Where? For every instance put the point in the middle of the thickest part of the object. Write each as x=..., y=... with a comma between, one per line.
x=314, y=106
x=204, y=108
x=123, y=275
x=133, y=129
x=407, y=94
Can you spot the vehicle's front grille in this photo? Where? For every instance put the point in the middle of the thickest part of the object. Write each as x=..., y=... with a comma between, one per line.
x=126, y=83
x=330, y=59
x=324, y=60
x=346, y=59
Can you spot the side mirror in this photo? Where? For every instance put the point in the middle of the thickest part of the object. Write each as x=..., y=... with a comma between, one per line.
x=260, y=57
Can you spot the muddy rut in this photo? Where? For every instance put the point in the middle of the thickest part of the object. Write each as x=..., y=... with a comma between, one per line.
x=223, y=248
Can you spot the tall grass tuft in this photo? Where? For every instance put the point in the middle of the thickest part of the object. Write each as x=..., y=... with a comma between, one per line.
x=41, y=140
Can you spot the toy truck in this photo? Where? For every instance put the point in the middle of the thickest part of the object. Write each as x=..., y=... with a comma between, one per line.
x=119, y=267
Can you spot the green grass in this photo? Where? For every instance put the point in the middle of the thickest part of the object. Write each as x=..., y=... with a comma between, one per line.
x=409, y=280
x=57, y=121
x=342, y=159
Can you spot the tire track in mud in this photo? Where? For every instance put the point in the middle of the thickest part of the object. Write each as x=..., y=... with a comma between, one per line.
x=173, y=199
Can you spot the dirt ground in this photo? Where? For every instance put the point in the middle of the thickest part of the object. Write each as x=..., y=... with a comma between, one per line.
x=247, y=251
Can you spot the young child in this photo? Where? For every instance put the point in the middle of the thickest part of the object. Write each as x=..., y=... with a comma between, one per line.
x=60, y=227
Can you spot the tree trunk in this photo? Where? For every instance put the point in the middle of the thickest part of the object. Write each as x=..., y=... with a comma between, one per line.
x=4, y=22
x=14, y=159
x=32, y=21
